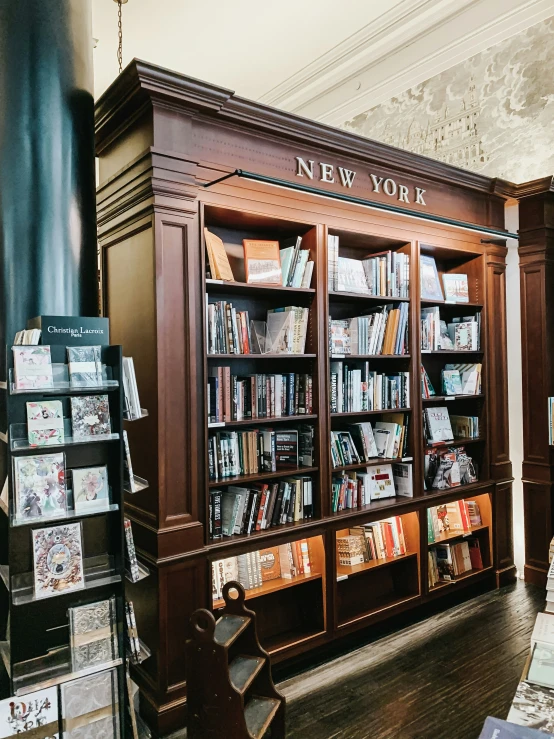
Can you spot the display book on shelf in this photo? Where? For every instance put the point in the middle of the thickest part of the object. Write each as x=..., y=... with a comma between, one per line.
x=62, y=506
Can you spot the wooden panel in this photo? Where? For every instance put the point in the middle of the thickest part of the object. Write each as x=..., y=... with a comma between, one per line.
x=503, y=531
x=497, y=361
x=537, y=508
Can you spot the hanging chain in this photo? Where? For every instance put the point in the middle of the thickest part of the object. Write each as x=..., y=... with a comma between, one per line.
x=120, y=35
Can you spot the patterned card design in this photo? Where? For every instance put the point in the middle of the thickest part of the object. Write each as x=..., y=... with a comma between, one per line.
x=90, y=416
x=93, y=634
x=90, y=488
x=45, y=423
x=90, y=707
x=35, y=712
x=85, y=365
x=58, y=560
x=40, y=486
x=33, y=367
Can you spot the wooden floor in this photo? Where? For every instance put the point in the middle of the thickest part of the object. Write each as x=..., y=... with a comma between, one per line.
x=438, y=679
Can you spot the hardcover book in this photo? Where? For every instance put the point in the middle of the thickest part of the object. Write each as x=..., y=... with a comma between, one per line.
x=32, y=367
x=220, y=269
x=270, y=563
x=85, y=365
x=90, y=416
x=262, y=262
x=455, y=288
x=93, y=634
x=451, y=382
x=430, y=283
x=381, y=482
x=40, y=486
x=90, y=707
x=34, y=715
x=495, y=728
x=58, y=560
x=90, y=488
x=45, y=423
x=438, y=424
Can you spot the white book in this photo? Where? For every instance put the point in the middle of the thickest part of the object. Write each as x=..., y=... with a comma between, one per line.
x=351, y=276
x=381, y=482
x=308, y=272
x=382, y=437
x=544, y=630
x=438, y=423
x=394, y=437
x=402, y=475
x=300, y=267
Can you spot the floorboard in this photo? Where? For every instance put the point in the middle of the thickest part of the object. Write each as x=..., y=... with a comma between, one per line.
x=438, y=679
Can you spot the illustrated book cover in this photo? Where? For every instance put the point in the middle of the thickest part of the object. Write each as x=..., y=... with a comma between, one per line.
x=33, y=715
x=90, y=416
x=90, y=707
x=32, y=367
x=495, y=728
x=58, y=560
x=90, y=488
x=430, y=283
x=220, y=269
x=455, y=288
x=93, y=634
x=40, y=486
x=438, y=424
x=85, y=365
x=45, y=423
x=533, y=707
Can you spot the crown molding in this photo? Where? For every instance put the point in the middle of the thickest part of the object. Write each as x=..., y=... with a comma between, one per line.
x=404, y=47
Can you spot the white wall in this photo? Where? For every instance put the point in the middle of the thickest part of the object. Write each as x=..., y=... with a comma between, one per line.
x=513, y=314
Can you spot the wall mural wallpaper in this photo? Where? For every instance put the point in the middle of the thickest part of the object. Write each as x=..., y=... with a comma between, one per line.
x=493, y=113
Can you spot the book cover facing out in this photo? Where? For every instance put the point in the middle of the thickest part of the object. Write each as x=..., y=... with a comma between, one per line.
x=72, y=330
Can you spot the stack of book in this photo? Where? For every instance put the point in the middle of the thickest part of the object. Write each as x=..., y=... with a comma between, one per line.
x=296, y=269
x=354, y=390
x=465, y=427
x=362, y=443
x=448, y=468
x=383, y=331
x=230, y=331
x=356, y=489
x=450, y=560
x=440, y=427
x=253, y=569
x=252, y=451
x=241, y=510
x=461, y=334
x=373, y=541
x=385, y=274
x=132, y=402
x=456, y=517
x=550, y=589
x=238, y=397
x=461, y=379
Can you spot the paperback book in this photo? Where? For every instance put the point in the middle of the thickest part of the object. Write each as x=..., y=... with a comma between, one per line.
x=430, y=283
x=58, y=560
x=220, y=269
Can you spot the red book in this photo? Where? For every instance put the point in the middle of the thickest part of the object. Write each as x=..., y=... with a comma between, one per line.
x=263, y=498
x=389, y=539
x=400, y=531
x=226, y=385
x=475, y=554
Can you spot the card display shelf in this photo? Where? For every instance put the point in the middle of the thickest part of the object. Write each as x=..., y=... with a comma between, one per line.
x=54, y=668
x=345, y=571
x=272, y=586
x=144, y=572
x=70, y=515
x=293, y=472
x=140, y=484
x=19, y=441
x=262, y=421
x=128, y=417
x=4, y=437
x=144, y=654
x=62, y=385
x=98, y=572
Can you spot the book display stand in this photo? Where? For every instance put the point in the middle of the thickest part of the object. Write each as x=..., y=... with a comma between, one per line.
x=319, y=553
x=61, y=627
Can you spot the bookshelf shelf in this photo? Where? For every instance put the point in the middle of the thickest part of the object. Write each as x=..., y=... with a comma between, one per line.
x=339, y=297
x=349, y=414
x=343, y=571
x=370, y=463
x=273, y=586
x=261, y=476
x=262, y=421
x=466, y=579
x=458, y=442
x=453, y=535
x=450, y=352
x=227, y=357
x=451, y=398
x=173, y=297
x=215, y=287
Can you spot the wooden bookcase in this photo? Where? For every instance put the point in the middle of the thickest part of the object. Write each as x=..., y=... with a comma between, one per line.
x=162, y=139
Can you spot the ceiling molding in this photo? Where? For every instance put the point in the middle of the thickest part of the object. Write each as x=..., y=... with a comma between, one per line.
x=405, y=46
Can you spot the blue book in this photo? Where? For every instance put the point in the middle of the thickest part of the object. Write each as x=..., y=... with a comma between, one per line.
x=495, y=728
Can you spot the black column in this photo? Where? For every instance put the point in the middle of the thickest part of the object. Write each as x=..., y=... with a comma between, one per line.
x=47, y=198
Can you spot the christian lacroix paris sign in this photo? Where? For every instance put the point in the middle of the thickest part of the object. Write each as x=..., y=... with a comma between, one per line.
x=321, y=172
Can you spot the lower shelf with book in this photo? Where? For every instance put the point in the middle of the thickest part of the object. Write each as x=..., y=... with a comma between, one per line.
x=377, y=566
x=286, y=584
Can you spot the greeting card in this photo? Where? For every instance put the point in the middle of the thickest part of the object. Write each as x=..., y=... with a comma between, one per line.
x=58, y=560
x=45, y=423
x=90, y=488
x=34, y=715
x=32, y=367
x=90, y=707
x=40, y=486
x=90, y=416
x=93, y=636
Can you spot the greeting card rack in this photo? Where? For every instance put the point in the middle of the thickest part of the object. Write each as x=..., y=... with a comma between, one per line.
x=35, y=645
